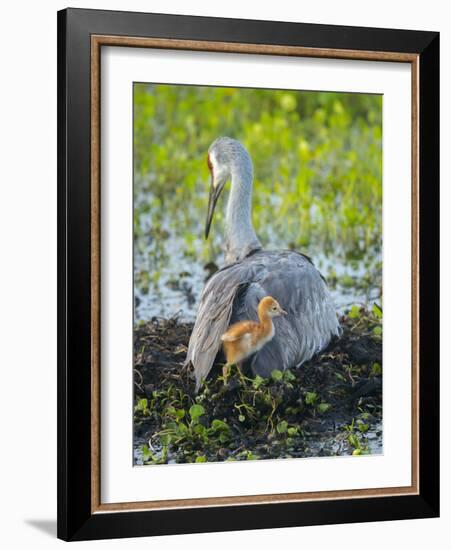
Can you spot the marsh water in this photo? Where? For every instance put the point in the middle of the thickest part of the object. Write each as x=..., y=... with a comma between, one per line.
x=169, y=279
x=326, y=444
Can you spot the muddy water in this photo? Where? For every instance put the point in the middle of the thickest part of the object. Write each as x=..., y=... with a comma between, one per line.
x=332, y=442
x=177, y=287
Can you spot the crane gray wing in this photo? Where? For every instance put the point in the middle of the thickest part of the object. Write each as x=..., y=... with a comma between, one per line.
x=232, y=294
x=311, y=321
x=213, y=316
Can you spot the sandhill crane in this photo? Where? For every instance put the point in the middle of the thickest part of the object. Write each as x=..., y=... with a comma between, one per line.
x=250, y=273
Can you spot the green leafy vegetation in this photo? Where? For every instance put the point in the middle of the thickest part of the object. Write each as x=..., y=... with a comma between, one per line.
x=318, y=179
x=332, y=405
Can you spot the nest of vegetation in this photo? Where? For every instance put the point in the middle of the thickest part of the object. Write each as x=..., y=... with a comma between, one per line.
x=330, y=406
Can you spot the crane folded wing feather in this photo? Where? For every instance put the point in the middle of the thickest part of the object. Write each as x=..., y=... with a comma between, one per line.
x=213, y=318
x=232, y=294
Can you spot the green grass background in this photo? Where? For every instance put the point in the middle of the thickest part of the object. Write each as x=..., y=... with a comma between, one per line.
x=317, y=162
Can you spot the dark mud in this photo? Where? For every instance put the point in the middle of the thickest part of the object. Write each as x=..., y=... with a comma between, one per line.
x=330, y=406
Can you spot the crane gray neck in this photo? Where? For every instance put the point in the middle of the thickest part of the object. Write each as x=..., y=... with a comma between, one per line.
x=240, y=235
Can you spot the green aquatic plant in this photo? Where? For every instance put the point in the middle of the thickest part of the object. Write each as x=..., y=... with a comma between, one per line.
x=253, y=417
x=356, y=437
x=317, y=161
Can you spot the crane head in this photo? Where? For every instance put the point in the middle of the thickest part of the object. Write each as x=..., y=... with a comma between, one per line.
x=225, y=155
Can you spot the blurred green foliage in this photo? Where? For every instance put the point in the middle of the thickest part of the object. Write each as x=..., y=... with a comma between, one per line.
x=317, y=164
x=317, y=161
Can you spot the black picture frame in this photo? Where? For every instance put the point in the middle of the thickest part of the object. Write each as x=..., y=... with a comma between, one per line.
x=76, y=521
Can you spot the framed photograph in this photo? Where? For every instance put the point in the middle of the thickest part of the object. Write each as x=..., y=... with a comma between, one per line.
x=248, y=274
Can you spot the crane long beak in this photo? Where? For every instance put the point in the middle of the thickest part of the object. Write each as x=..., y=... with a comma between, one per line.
x=212, y=200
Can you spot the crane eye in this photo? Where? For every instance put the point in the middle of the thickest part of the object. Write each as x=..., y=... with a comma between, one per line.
x=209, y=164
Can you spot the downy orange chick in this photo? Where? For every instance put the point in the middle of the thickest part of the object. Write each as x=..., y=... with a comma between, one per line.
x=247, y=337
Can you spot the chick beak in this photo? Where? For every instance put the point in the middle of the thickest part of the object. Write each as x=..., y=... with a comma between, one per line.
x=282, y=311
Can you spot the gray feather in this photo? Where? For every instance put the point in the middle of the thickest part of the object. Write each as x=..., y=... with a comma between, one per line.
x=232, y=294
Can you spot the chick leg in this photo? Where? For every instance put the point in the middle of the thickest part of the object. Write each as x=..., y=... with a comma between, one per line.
x=226, y=372
x=239, y=367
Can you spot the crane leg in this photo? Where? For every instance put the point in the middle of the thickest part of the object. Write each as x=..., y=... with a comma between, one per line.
x=227, y=370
